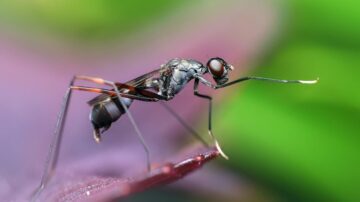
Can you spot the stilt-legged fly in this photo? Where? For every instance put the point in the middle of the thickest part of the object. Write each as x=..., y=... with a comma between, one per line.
x=159, y=85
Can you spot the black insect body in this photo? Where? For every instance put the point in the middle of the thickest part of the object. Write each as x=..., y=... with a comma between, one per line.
x=104, y=113
x=160, y=85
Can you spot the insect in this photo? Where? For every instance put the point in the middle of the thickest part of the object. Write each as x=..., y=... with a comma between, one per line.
x=160, y=85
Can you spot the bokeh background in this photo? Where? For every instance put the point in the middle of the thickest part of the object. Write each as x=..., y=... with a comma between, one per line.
x=285, y=142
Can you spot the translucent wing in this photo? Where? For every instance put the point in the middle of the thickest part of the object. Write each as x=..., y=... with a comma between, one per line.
x=136, y=84
x=142, y=80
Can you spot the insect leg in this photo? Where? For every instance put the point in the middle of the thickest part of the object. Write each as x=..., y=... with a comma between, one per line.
x=266, y=79
x=128, y=87
x=53, y=153
x=139, y=135
x=113, y=93
x=116, y=89
x=184, y=124
x=196, y=84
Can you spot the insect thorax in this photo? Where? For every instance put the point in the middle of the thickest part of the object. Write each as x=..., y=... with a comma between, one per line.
x=179, y=73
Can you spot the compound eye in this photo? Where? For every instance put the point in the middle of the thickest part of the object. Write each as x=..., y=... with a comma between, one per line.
x=216, y=67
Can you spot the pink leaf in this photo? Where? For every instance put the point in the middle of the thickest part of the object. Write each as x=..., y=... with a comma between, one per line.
x=110, y=188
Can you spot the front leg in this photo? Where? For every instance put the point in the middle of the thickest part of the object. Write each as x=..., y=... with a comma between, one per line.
x=209, y=84
x=198, y=79
x=265, y=79
x=196, y=93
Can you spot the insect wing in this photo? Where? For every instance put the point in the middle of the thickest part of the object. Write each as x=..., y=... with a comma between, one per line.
x=132, y=85
x=142, y=80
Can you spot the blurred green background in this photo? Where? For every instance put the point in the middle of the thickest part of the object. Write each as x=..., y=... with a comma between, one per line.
x=295, y=142
x=88, y=21
x=304, y=140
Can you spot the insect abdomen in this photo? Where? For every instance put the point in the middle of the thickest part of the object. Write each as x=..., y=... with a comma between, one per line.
x=104, y=113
